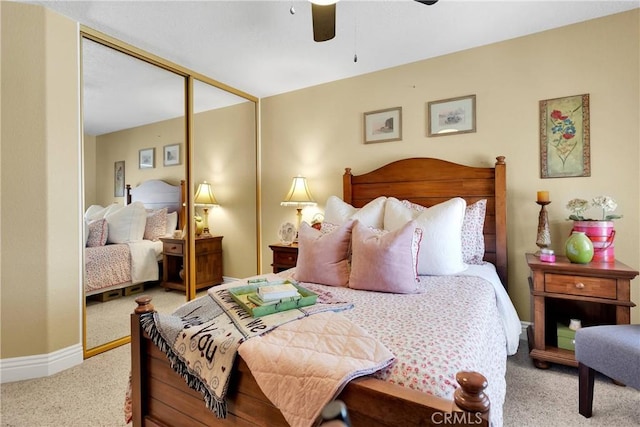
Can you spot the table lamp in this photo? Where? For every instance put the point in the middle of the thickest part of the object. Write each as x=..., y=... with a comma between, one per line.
x=205, y=198
x=298, y=196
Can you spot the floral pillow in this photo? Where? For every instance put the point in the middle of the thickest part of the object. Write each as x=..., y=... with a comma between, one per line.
x=156, y=225
x=385, y=261
x=323, y=257
x=97, y=233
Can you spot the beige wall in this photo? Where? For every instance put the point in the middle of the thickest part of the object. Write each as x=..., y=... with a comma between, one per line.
x=318, y=131
x=125, y=145
x=41, y=262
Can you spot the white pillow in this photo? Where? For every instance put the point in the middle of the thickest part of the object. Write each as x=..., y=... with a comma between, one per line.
x=97, y=211
x=441, y=247
x=172, y=223
x=338, y=212
x=127, y=223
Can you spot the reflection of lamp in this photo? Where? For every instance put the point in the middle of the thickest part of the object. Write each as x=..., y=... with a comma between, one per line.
x=204, y=197
x=298, y=196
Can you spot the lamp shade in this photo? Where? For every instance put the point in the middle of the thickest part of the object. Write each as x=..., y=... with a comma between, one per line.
x=299, y=194
x=204, y=195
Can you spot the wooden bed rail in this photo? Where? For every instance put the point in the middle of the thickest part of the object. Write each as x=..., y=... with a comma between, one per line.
x=161, y=397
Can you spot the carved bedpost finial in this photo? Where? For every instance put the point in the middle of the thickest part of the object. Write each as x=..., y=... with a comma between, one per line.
x=500, y=160
x=470, y=395
x=347, y=171
x=144, y=305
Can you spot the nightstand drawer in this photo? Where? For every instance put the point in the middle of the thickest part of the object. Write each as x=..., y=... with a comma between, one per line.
x=205, y=246
x=580, y=285
x=288, y=258
x=172, y=248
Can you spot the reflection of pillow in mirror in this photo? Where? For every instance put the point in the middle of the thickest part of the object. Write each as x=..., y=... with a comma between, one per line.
x=156, y=225
x=97, y=211
x=323, y=257
x=127, y=223
x=385, y=261
x=97, y=236
x=172, y=223
x=338, y=212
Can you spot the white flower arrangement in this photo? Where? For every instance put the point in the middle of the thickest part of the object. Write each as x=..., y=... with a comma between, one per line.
x=579, y=206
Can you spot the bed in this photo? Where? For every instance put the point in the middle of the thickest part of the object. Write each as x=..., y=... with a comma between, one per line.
x=159, y=396
x=122, y=243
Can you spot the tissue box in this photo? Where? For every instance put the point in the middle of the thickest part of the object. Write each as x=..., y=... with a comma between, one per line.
x=566, y=337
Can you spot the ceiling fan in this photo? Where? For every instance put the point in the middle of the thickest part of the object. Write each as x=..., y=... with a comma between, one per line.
x=323, y=14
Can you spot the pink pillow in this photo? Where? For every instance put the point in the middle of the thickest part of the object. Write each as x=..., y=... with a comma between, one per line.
x=98, y=230
x=156, y=225
x=385, y=262
x=322, y=257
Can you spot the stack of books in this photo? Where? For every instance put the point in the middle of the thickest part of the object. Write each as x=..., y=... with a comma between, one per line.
x=274, y=294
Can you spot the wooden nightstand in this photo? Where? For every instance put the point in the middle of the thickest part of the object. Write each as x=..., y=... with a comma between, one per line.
x=595, y=293
x=284, y=256
x=208, y=262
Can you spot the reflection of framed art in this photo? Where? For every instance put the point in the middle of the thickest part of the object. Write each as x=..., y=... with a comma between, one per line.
x=564, y=137
x=147, y=158
x=172, y=155
x=383, y=125
x=118, y=179
x=451, y=116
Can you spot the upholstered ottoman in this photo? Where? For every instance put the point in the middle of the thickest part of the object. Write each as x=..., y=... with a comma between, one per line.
x=613, y=350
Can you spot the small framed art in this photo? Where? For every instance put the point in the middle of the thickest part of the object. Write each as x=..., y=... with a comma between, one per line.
x=118, y=179
x=564, y=137
x=147, y=158
x=451, y=116
x=171, y=155
x=383, y=125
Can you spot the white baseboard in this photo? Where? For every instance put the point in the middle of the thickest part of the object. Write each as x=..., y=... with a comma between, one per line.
x=523, y=332
x=41, y=365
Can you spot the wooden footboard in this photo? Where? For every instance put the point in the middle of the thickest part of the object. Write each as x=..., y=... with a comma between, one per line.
x=161, y=397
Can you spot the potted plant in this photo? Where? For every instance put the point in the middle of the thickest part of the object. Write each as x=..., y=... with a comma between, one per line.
x=599, y=230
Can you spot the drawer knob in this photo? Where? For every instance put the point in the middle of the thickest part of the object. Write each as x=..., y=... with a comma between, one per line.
x=580, y=285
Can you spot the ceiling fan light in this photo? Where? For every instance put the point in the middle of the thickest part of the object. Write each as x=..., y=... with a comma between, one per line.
x=324, y=2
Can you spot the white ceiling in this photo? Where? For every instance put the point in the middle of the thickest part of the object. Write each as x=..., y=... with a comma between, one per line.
x=259, y=47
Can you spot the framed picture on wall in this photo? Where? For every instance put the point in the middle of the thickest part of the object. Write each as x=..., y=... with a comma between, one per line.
x=451, y=116
x=172, y=154
x=564, y=137
x=147, y=158
x=118, y=179
x=383, y=125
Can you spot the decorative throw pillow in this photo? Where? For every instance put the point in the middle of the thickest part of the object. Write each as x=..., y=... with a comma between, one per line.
x=98, y=231
x=323, y=257
x=472, y=232
x=127, y=223
x=338, y=212
x=97, y=211
x=172, y=223
x=156, y=225
x=441, y=248
x=385, y=262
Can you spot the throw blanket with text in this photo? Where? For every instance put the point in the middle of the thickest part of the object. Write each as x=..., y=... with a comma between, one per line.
x=201, y=338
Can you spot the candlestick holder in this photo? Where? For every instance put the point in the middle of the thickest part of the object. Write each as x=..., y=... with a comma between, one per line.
x=544, y=236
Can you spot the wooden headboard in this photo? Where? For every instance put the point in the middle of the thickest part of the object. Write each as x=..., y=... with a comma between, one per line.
x=157, y=194
x=428, y=181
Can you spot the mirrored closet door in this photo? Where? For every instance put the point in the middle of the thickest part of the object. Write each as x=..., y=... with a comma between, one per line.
x=134, y=133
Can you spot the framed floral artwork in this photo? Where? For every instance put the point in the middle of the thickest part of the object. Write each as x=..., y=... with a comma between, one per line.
x=147, y=158
x=118, y=179
x=451, y=116
x=564, y=137
x=383, y=125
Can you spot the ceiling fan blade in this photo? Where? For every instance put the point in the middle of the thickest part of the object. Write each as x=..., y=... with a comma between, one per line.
x=427, y=2
x=324, y=21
